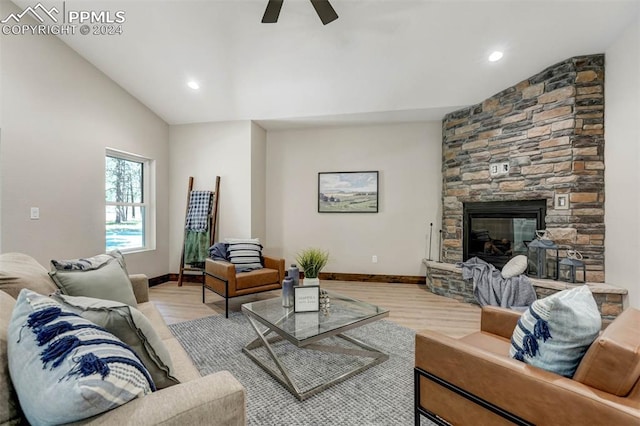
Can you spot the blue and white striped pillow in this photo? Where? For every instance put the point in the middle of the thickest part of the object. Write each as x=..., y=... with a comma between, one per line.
x=245, y=254
x=64, y=368
x=555, y=332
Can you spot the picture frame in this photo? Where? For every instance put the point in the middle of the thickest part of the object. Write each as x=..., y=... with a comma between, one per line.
x=348, y=192
x=306, y=298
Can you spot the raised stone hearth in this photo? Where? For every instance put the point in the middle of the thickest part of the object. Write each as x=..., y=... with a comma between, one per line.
x=549, y=130
x=445, y=279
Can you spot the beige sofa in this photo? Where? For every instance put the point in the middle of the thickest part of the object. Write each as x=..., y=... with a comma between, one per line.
x=217, y=399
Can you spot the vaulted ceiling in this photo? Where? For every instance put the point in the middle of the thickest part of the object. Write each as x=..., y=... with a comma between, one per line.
x=380, y=60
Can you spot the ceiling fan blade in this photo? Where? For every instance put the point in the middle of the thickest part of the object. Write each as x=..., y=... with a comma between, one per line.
x=324, y=10
x=272, y=12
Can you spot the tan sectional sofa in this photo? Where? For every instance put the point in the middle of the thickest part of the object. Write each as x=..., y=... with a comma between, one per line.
x=217, y=399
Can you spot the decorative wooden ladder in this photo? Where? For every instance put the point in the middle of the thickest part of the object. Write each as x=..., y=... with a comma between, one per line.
x=213, y=219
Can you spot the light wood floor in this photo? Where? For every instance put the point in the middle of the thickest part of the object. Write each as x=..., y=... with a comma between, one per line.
x=410, y=305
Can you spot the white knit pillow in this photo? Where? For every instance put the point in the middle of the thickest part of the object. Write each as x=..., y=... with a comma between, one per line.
x=516, y=266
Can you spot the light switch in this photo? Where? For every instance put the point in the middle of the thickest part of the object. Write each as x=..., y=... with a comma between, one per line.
x=35, y=213
x=498, y=169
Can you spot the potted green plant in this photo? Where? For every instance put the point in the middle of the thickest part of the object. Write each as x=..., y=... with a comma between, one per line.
x=311, y=261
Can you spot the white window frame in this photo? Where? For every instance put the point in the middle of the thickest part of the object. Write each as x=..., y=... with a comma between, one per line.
x=148, y=200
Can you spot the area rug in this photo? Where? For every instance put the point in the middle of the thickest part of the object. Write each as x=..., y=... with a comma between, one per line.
x=381, y=395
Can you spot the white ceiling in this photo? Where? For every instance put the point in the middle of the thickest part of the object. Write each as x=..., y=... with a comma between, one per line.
x=382, y=60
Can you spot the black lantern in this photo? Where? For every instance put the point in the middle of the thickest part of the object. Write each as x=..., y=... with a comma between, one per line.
x=543, y=257
x=571, y=267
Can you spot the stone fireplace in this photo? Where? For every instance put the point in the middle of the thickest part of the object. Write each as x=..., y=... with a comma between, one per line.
x=538, y=142
x=542, y=139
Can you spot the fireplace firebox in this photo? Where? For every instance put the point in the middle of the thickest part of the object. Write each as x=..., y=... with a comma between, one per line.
x=498, y=230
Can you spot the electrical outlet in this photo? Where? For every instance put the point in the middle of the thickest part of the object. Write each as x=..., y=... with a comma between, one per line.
x=374, y=259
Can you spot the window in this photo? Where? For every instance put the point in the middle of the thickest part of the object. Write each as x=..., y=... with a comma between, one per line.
x=128, y=202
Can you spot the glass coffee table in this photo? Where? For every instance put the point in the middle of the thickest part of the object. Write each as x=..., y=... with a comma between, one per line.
x=316, y=331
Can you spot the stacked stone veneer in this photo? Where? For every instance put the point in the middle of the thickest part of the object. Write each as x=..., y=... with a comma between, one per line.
x=550, y=128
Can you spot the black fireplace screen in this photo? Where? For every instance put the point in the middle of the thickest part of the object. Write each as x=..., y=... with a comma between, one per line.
x=497, y=231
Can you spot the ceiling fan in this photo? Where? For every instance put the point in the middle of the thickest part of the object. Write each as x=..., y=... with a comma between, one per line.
x=323, y=9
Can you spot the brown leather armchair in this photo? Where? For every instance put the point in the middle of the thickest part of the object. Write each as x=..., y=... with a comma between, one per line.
x=221, y=278
x=472, y=380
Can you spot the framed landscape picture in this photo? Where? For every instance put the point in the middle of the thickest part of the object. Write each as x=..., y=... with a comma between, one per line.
x=348, y=192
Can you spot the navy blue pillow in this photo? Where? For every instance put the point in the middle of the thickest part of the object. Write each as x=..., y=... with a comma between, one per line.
x=218, y=251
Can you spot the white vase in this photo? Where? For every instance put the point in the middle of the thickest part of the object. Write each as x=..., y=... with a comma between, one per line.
x=311, y=281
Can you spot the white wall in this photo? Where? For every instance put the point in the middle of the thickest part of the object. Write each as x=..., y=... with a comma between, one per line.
x=259, y=183
x=205, y=151
x=622, y=162
x=408, y=157
x=59, y=113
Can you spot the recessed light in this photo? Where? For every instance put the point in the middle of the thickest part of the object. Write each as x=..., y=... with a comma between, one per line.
x=495, y=56
x=193, y=84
